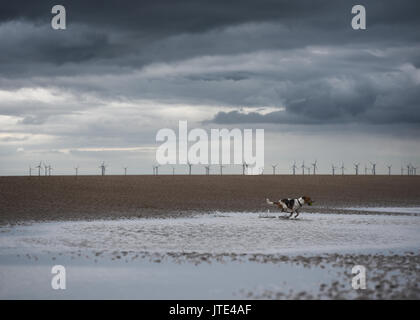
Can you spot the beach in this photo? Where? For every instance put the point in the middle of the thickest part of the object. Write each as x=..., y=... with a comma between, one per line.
x=209, y=237
x=92, y=197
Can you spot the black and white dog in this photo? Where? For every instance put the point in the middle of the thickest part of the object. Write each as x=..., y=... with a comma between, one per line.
x=292, y=205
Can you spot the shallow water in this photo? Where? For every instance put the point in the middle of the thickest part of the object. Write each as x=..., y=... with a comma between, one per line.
x=403, y=210
x=218, y=233
x=183, y=258
x=22, y=278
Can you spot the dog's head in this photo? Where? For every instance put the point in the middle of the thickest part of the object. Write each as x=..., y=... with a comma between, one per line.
x=307, y=200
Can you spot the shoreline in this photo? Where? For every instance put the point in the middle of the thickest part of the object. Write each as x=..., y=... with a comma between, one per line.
x=58, y=198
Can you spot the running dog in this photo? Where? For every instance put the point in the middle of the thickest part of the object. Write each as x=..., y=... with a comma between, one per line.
x=292, y=205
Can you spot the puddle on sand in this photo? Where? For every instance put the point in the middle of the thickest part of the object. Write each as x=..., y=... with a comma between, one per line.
x=230, y=232
x=402, y=210
x=138, y=258
x=22, y=278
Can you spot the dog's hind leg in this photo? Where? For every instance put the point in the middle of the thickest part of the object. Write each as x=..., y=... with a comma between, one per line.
x=291, y=214
x=297, y=213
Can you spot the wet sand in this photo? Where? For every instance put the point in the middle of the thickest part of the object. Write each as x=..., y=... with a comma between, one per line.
x=92, y=197
x=238, y=254
x=175, y=275
x=215, y=256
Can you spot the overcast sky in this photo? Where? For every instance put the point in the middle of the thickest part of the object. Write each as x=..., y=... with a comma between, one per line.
x=101, y=89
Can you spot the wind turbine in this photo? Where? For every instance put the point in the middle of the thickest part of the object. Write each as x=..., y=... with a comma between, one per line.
x=373, y=168
x=244, y=167
x=274, y=168
x=366, y=169
x=39, y=168
x=309, y=170
x=103, y=168
x=402, y=170
x=77, y=170
x=342, y=168
x=294, y=168
x=221, y=169
x=207, y=170
x=45, y=169
x=156, y=170
x=125, y=171
x=189, y=167
x=30, y=171
x=356, y=168
x=414, y=171
x=408, y=169
x=49, y=170
x=303, y=167
x=389, y=169
x=314, y=165
x=333, y=169
x=173, y=170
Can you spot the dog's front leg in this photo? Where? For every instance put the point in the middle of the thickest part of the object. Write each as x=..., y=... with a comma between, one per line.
x=291, y=214
x=297, y=213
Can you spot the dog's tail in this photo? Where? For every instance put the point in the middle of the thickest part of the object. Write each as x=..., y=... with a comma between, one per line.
x=271, y=202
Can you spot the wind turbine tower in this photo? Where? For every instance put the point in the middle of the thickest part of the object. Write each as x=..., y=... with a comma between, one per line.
x=274, y=168
x=333, y=169
x=103, y=168
x=244, y=167
x=342, y=168
x=373, y=168
x=294, y=168
x=408, y=169
x=314, y=165
x=356, y=168
x=39, y=168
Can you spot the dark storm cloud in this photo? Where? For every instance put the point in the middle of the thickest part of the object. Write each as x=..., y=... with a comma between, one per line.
x=370, y=98
x=136, y=33
x=219, y=53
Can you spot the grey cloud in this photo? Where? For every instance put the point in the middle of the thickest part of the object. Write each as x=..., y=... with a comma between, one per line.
x=302, y=56
x=134, y=34
x=368, y=98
